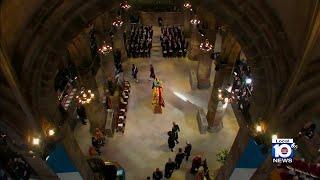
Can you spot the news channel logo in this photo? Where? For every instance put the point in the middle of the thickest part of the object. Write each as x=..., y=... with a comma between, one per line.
x=283, y=150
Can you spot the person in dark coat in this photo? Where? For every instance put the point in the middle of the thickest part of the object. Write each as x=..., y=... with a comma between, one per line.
x=157, y=174
x=134, y=71
x=152, y=74
x=169, y=167
x=81, y=112
x=95, y=144
x=206, y=169
x=179, y=158
x=187, y=150
x=196, y=163
x=175, y=130
x=171, y=142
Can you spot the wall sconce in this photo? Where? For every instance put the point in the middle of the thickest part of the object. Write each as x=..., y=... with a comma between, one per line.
x=35, y=141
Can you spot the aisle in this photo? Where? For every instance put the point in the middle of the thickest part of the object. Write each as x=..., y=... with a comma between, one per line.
x=156, y=50
x=143, y=147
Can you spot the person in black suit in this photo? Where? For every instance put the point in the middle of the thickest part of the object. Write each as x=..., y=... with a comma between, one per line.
x=175, y=130
x=179, y=158
x=169, y=167
x=187, y=150
x=157, y=174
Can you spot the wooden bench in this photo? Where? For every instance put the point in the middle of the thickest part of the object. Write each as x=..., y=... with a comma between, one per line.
x=193, y=79
x=109, y=123
x=202, y=121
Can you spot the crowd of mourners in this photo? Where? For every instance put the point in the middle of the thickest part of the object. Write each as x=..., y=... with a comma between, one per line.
x=140, y=41
x=242, y=85
x=173, y=42
x=12, y=165
x=199, y=166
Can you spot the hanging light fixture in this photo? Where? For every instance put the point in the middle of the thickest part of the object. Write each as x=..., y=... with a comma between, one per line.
x=85, y=96
x=118, y=22
x=105, y=49
x=195, y=20
x=206, y=46
x=187, y=5
x=125, y=5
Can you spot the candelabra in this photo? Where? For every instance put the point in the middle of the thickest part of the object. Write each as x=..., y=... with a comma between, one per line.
x=195, y=20
x=85, y=96
x=118, y=22
x=105, y=49
x=206, y=46
x=125, y=5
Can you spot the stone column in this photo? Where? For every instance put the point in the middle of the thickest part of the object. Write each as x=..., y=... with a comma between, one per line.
x=238, y=147
x=95, y=112
x=216, y=108
x=75, y=154
x=118, y=43
x=79, y=54
x=204, y=70
x=264, y=171
x=229, y=53
x=186, y=22
x=194, y=44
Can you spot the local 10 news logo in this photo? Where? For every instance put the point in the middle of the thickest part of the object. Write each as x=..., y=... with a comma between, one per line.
x=283, y=150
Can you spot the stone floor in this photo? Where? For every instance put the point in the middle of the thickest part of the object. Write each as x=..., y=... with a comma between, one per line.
x=143, y=146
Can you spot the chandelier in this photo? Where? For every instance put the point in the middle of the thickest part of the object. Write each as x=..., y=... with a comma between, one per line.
x=105, y=49
x=85, y=96
x=125, y=5
x=195, y=20
x=118, y=22
x=225, y=96
x=187, y=5
x=206, y=46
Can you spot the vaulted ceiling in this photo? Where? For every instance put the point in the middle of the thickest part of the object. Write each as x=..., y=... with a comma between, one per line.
x=279, y=38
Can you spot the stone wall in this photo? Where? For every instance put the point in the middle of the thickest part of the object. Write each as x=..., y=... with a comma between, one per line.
x=169, y=18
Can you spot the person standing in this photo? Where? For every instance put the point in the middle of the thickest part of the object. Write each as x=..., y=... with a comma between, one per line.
x=206, y=172
x=169, y=167
x=175, y=130
x=134, y=71
x=157, y=174
x=152, y=74
x=171, y=142
x=187, y=150
x=179, y=158
x=81, y=112
x=95, y=144
x=196, y=163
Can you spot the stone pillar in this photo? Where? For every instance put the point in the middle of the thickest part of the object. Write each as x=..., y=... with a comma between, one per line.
x=75, y=154
x=216, y=109
x=264, y=171
x=229, y=53
x=95, y=111
x=238, y=147
x=204, y=70
x=194, y=44
x=79, y=54
x=108, y=65
x=186, y=22
x=119, y=44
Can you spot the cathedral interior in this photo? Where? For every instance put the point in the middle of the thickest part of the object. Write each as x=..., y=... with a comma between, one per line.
x=111, y=89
